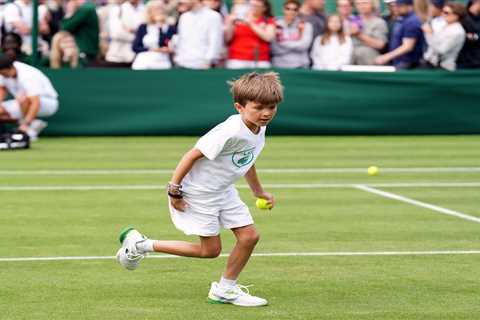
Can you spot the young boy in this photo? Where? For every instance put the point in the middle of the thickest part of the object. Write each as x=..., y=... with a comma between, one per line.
x=202, y=195
x=34, y=95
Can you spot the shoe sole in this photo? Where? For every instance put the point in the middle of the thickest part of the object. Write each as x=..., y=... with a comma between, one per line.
x=123, y=234
x=212, y=301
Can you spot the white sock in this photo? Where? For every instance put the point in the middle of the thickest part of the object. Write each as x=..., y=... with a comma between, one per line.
x=145, y=246
x=226, y=283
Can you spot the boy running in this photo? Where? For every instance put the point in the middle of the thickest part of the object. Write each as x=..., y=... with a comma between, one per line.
x=202, y=194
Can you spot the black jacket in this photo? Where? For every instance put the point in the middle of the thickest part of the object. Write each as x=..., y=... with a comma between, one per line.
x=469, y=57
x=163, y=39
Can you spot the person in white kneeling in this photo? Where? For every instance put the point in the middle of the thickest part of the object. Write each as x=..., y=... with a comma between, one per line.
x=34, y=95
x=334, y=48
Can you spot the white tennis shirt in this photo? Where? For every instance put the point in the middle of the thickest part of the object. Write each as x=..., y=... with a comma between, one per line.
x=29, y=81
x=230, y=150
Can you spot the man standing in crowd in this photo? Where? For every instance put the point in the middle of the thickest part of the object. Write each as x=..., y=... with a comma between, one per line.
x=407, y=41
x=469, y=57
x=18, y=17
x=34, y=95
x=81, y=21
x=200, y=37
x=313, y=12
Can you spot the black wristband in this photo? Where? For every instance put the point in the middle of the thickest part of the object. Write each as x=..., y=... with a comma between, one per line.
x=175, y=196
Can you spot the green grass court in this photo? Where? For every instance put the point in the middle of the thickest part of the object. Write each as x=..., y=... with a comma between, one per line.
x=69, y=197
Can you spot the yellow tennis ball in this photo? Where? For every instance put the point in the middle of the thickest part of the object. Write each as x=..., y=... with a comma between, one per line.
x=262, y=204
x=373, y=171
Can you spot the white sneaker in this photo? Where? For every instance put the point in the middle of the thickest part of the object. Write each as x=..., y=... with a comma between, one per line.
x=35, y=128
x=237, y=295
x=128, y=255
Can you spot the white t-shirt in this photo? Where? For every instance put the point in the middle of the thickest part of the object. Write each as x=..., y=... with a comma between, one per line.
x=29, y=81
x=21, y=11
x=199, y=39
x=230, y=150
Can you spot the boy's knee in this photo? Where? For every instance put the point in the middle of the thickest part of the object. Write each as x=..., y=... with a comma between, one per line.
x=250, y=239
x=211, y=252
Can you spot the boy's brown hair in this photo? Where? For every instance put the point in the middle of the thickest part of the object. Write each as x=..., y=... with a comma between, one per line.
x=264, y=88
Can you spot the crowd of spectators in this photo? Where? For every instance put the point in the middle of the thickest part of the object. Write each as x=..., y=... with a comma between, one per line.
x=202, y=34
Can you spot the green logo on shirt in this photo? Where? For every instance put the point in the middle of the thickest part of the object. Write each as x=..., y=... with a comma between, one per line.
x=242, y=158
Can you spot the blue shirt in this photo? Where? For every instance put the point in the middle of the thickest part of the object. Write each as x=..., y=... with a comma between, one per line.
x=408, y=26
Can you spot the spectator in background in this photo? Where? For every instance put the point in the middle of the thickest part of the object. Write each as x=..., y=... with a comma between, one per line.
x=240, y=9
x=12, y=47
x=436, y=18
x=81, y=21
x=249, y=40
x=313, y=12
x=294, y=36
x=18, y=16
x=392, y=15
x=181, y=6
x=407, y=41
x=345, y=11
x=444, y=44
x=334, y=48
x=469, y=56
x=217, y=5
x=123, y=22
x=370, y=35
x=33, y=95
x=55, y=14
x=152, y=39
x=64, y=52
x=199, y=41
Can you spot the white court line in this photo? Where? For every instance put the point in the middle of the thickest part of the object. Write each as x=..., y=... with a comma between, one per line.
x=267, y=185
x=418, y=203
x=278, y=170
x=276, y=254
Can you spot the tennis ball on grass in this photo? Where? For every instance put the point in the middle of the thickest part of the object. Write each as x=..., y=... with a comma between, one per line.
x=373, y=171
x=262, y=204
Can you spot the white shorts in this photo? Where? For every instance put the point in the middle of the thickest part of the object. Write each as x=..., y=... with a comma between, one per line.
x=204, y=218
x=48, y=107
x=246, y=64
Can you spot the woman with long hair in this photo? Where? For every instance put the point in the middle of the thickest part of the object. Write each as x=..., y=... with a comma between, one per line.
x=333, y=49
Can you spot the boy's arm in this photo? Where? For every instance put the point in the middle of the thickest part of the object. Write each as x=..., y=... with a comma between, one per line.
x=183, y=167
x=256, y=186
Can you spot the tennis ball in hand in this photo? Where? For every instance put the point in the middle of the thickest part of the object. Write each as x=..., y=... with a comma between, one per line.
x=262, y=204
x=373, y=171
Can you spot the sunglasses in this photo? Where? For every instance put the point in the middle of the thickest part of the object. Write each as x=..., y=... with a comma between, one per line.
x=291, y=9
x=445, y=12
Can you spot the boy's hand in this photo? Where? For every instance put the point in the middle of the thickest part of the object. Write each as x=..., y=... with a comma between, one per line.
x=267, y=196
x=178, y=204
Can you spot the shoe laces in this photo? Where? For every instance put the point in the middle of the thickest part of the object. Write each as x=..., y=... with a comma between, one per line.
x=240, y=290
x=133, y=255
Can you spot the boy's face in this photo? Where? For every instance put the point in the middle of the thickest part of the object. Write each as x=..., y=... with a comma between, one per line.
x=256, y=114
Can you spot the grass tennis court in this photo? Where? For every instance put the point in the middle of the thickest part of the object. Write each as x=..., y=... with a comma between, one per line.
x=69, y=197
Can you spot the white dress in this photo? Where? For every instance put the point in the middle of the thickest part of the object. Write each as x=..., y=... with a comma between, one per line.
x=331, y=55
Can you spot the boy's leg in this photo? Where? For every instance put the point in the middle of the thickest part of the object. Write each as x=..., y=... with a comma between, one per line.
x=227, y=290
x=209, y=247
x=247, y=238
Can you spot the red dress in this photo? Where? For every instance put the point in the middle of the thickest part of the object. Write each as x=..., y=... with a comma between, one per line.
x=246, y=45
